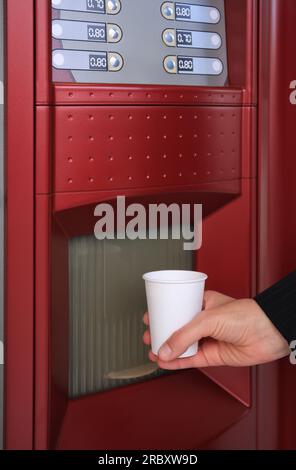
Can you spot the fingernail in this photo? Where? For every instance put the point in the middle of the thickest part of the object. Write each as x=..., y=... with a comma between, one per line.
x=165, y=352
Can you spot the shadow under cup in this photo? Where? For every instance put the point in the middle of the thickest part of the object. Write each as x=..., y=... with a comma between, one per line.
x=174, y=298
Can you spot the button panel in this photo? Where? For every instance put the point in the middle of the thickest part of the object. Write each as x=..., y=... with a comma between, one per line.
x=144, y=42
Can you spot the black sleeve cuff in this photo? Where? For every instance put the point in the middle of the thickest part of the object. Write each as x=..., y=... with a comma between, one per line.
x=279, y=304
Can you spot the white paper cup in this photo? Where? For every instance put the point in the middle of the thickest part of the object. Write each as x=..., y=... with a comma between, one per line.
x=174, y=298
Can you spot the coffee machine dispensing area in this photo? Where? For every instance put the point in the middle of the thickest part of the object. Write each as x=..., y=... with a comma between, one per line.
x=155, y=101
x=114, y=42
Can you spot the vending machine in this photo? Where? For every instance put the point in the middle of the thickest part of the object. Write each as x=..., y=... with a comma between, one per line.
x=159, y=102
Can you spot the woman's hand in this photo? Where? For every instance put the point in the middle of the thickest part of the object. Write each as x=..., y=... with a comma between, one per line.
x=231, y=332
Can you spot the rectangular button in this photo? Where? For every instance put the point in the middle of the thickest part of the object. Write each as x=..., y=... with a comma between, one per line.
x=199, y=65
x=79, y=30
x=80, y=60
x=89, y=6
x=196, y=13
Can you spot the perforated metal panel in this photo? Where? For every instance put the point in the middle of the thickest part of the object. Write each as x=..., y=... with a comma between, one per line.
x=80, y=51
x=103, y=148
x=107, y=302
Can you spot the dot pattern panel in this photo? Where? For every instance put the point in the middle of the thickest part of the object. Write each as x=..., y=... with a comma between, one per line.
x=120, y=95
x=103, y=148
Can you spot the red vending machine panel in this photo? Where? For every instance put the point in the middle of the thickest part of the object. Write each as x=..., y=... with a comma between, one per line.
x=156, y=102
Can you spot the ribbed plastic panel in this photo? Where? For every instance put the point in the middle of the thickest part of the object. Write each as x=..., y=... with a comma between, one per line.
x=107, y=302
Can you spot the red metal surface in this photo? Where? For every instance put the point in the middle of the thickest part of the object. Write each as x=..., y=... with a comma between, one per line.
x=69, y=200
x=277, y=198
x=179, y=411
x=121, y=147
x=67, y=94
x=229, y=237
x=51, y=325
x=44, y=143
x=43, y=52
x=59, y=327
x=249, y=141
x=277, y=164
x=43, y=307
x=80, y=219
x=241, y=28
x=19, y=320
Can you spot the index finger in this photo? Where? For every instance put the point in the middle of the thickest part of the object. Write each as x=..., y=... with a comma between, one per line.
x=146, y=319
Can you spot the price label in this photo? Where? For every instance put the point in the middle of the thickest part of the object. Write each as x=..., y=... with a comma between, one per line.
x=96, y=5
x=183, y=11
x=98, y=62
x=185, y=64
x=90, y=6
x=96, y=32
x=184, y=38
x=198, y=39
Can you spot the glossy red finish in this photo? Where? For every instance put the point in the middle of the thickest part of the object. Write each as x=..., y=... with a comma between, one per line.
x=121, y=147
x=277, y=196
x=19, y=305
x=249, y=141
x=167, y=426
x=43, y=52
x=68, y=94
x=43, y=164
x=59, y=324
x=276, y=144
x=51, y=325
x=70, y=200
x=229, y=237
x=242, y=30
x=43, y=307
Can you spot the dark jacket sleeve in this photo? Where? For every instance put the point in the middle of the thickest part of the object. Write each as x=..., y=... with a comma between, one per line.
x=279, y=304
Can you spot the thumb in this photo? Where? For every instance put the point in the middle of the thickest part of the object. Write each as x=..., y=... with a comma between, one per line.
x=200, y=327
